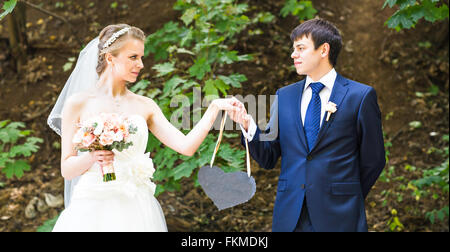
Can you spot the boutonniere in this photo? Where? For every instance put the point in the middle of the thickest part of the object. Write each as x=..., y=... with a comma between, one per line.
x=330, y=108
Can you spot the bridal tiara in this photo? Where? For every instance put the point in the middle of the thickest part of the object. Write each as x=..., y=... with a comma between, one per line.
x=115, y=36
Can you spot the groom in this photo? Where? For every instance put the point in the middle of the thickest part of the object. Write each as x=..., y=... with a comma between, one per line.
x=327, y=131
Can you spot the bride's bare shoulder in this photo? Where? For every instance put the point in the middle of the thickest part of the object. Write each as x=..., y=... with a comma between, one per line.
x=150, y=103
x=147, y=107
x=76, y=101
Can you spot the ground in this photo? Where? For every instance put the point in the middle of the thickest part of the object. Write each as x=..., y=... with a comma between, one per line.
x=394, y=63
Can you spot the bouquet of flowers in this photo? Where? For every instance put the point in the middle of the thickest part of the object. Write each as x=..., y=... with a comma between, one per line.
x=106, y=131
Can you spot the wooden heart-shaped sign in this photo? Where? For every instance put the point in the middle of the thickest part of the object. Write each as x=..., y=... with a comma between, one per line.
x=226, y=189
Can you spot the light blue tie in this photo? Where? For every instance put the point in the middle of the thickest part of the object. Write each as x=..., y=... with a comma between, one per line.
x=312, y=118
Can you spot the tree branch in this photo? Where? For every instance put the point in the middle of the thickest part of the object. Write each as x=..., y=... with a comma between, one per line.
x=55, y=16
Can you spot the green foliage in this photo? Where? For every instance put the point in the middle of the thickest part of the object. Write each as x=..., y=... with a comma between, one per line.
x=8, y=7
x=66, y=67
x=48, y=225
x=11, y=150
x=394, y=222
x=437, y=177
x=304, y=10
x=193, y=53
x=411, y=11
x=432, y=184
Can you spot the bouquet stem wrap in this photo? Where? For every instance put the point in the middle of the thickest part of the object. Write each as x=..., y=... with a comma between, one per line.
x=108, y=173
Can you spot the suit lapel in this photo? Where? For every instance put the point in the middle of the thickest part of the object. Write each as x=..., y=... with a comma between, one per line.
x=337, y=95
x=300, y=130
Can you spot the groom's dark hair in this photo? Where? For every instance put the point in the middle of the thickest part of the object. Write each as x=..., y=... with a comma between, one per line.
x=321, y=31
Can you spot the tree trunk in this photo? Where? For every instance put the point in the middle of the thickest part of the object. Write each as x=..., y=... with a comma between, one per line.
x=17, y=35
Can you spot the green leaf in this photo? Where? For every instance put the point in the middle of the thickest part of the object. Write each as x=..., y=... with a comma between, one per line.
x=229, y=57
x=141, y=85
x=431, y=12
x=200, y=68
x=171, y=84
x=390, y=3
x=220, y=84
x=183, y=50
x=24, y=150
x=189, y=15
x=164, y=68
x=210, y=88
x=234, y=80
x=185, y=169
x=4, y=123
x=67, y=66
x=8, y=7
x=415, y=124
x=433, y=90
x=15, y=168
x=400, y=20
x=48, y=225
x=245, y=57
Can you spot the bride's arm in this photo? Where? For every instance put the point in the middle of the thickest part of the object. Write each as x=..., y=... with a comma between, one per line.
x=175, y=139
x=72, y=165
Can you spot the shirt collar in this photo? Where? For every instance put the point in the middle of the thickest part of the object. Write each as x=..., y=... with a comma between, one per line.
x=327, y=80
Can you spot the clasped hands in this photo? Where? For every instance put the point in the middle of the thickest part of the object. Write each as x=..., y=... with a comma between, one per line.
x=235, y=109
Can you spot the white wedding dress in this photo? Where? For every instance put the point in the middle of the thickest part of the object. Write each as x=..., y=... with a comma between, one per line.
x=125, y=204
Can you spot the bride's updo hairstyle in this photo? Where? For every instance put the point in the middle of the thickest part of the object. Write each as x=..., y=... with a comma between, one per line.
x=116, y=44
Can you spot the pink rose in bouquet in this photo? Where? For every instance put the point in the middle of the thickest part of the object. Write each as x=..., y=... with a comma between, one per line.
x=107, y=131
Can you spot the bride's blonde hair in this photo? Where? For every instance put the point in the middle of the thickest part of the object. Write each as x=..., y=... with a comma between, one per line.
x=115, y=46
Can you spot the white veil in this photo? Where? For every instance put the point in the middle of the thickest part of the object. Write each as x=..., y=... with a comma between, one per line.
x=82, y=78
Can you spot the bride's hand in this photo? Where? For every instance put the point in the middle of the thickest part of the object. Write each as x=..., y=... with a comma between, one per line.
x=225, y=104
x=240, y=115
x=103, y=157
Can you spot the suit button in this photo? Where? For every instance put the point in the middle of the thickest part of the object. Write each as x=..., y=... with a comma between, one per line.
x=303, y=186
x=309, y=157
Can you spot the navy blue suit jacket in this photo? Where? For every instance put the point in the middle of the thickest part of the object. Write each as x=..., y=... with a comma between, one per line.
x=337, y=174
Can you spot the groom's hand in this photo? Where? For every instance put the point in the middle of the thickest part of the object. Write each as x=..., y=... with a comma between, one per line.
x=240, y=114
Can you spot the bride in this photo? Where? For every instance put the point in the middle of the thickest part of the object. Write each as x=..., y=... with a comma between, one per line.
x=97, y=85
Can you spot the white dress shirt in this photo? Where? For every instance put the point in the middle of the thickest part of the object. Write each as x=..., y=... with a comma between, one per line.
x=327, y=80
